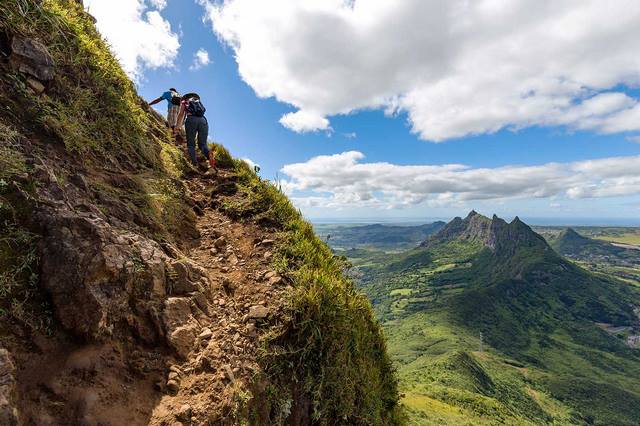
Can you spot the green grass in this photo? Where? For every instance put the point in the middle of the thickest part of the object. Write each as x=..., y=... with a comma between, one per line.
x=329, y=340
x=401, y=292
x=20, y=298
x=632, y=238
x=93, y=109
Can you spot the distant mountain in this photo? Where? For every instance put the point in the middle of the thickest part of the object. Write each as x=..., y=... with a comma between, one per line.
x=517, y=273
x=501, y=237
x=571, y=244
x=569, y=331
x=377, y=235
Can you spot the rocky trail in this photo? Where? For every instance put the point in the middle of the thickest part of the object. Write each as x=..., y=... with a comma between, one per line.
x=219, y=292
x=246, y=291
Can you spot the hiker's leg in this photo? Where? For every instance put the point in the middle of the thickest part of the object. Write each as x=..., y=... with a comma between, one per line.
x=191, y=127
x=172, y=116
x=203, y=135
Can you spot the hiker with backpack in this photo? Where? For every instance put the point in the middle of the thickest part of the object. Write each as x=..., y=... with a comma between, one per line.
x=196, y=125
x=173, y=98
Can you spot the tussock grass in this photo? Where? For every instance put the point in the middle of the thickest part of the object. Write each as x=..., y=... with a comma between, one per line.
x=91, y=105
x=19, y=296
x=222, y=156
x=329, y=340
x=11, y=160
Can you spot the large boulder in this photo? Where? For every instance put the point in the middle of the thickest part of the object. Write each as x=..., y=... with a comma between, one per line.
x=181, y=326
x=31, y=57
x=101, y=277
x=184, y=276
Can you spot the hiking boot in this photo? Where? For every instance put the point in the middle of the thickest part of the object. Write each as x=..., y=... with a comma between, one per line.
x=192, y=172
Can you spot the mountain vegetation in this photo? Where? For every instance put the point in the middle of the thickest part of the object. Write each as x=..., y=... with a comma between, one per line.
x=599, y=256
x=380, y=236
x=571, y=244
x=135, y=290
x=489, y=325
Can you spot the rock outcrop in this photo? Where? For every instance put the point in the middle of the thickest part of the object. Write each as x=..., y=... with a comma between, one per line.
x=32, y=58
x=8, y=409
x=108, y=277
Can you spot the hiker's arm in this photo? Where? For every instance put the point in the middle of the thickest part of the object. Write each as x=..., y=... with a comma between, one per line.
x=155, y=101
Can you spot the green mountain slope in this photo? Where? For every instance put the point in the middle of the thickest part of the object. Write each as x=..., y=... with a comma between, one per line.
x=490, y=325
x=571, y=244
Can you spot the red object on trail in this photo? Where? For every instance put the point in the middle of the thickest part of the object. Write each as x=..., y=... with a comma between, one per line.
x=212, y=160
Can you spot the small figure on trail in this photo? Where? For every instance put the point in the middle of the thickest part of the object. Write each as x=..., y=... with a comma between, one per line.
x=196, y=125
x=173, y=98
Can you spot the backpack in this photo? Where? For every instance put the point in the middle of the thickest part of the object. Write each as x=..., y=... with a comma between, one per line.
x=175, y=98
x=195, y=107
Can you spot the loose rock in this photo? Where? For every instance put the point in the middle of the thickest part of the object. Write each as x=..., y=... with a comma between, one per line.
x=173, y=386
x=206, y=334
x=220, y=242
x=184, y=412
x=31, y=57
x=258, y=312
x=228, y=372
x=35, y=85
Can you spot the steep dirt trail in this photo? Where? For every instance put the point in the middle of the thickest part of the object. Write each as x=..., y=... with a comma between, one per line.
x=244, y=292
x=212, y=324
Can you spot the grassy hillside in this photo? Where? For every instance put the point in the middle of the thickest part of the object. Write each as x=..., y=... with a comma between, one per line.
x=510, y=333
x=89, y=132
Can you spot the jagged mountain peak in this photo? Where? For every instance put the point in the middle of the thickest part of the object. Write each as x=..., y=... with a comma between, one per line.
x=495, y=233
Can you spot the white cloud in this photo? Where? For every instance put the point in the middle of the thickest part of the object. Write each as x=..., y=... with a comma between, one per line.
x=252, y=164
x=635, y=138
x=140, y=39
x=159, y=4
x=200, y=59
x=343, y=180
x=456, y=67
x=304, y=121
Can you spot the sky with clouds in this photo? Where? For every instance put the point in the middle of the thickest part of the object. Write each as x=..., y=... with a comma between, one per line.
x=412, y=108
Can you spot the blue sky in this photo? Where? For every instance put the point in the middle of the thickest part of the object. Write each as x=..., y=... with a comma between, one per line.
x=413, y=134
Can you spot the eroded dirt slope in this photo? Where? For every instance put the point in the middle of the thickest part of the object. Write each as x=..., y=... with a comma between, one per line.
x=186, y=357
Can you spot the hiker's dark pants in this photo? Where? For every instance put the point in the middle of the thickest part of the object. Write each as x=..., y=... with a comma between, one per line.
x=197, y=125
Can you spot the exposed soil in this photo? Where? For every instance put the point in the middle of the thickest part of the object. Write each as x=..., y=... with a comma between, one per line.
x=124, y=381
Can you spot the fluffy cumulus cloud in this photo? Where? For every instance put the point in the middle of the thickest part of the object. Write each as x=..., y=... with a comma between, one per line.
x=140, y=38
x=200, y=59
x=304, y=121
x=456, y=67
x=344, y=180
